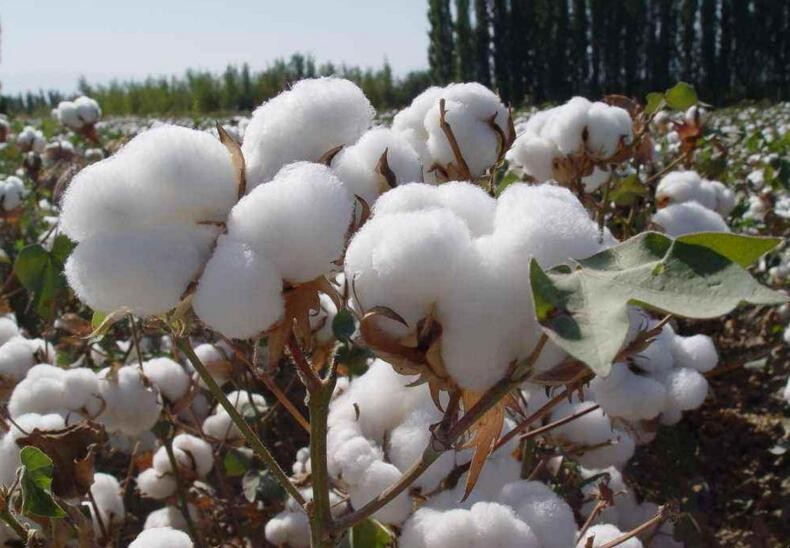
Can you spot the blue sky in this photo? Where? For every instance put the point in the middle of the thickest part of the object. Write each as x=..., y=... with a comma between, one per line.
x=50, y=43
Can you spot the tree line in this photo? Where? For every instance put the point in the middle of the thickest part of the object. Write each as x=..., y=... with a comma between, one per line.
x=539, y=50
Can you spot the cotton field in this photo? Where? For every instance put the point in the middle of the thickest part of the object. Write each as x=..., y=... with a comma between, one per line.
x=458, y=324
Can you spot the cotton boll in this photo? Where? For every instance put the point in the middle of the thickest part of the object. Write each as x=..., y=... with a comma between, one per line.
x=168, y=376
x=8, y=329
x=162, y=537
x=147, y=270
x=658, y=355
x=628, y=395
x=12, y=192
x=547, y=515
x=17, y=356
x=357, y=165
x=429, y=528
x=685, y=186
x=49, y=389
x=88, y=110
x=67, y=114
x=154, y=485
x=725, y=198
x=106, y=492
x=9, y=450
x=355, y=457
x=401, y=261
x=216, y=361
x=168, y=175
x=409, y=122
x=378, y=477
x=605, y=533
x=607, y=128
x=298, y=221
x=567, y=124
x=169, y=516
x=591, y=430
x=190, y=452
x=291, y=528
x=304, y=123
x=406, y=443
x=686, y=388
x=695, y=352
x=132, y=407
x=687, y=218
x=220, y=426
x=31, y=139
x=596, y=179
x=240, y=291
x=498, y=527
x=535, y=155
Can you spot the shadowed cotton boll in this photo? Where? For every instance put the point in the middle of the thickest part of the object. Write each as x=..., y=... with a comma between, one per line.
x=106, y=492
x=191, y=453
x=410, y=122
x=17, y=356
x=219, y=425
x=8, y=329
x=304, y=123
x=469, y=107
x=547, y=515
x=625, y=394
x=357, y=165
x=604, y=533
x=291, y=528
x=162, y=537
x=155, y=485
x=688, y=218
x=132, y=407
x=695, y=352
x=376, y=478
x=593, y=430
x=169, y=516
x=686, y=388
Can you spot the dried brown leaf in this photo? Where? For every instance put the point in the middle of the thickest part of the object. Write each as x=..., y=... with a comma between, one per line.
x=237, y=158
x=484, y=435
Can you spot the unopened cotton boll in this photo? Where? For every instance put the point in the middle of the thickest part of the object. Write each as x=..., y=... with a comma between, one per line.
x=298, y=221
x=547, y=515
x=695, y=352
x=688, y=218
x=155, y=485
x=162, y=537
x=469, y=108
x=132, y=407
x=625, y=394
x=303, y=124
x=358, y=165
x=168, y=376
x=604, y=533
x=378, y=477
x=106, y=492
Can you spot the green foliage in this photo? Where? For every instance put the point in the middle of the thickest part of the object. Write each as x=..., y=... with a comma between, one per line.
x=343, y=325
x=41, y=273
x=584, y=309
x=237, y=462
x=261, y=485
x=654, y=100
x=36, y=482
x=681, y=96
x=627, y=190
x=370, y=534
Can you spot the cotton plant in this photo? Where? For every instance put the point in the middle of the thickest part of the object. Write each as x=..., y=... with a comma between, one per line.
x=80, y=115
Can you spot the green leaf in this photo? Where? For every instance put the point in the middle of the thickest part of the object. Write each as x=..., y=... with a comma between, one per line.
x=739, y=248
x=261, y=484
x=36, y=482
x=370, y=534
x=585, y=310
x=101, y=322
x=343, y=325
x=681, y=97
x=41, y=273
x=237, y=462
x=626, y=190
x=654, y=100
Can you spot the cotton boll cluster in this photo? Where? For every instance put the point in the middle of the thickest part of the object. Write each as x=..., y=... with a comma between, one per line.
x=162, y=537
x=12, y=192
x=9, y=449
x=140, y=218
x=219, y=425
x=687, y=186
x=303, y=124
x=72, y=393
x=361, y=167
x=107, y=494
x=688, y=218
x=31, y=139
x=78, y=114
x=59, y=150
x=555, y=138
x=291, y=526
x=194, y=457
x=274, y=234
x=132, y=406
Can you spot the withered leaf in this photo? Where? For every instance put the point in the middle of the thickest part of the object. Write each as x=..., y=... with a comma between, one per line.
x=383, y=169
x=237, y=158
x=484, y=435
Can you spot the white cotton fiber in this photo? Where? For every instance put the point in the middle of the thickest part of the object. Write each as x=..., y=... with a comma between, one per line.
x=468, y=108
x=607, y=128
x=165, y=176
x=547, y=515
x=356, y=166
x=686, y=388
x=535, y=155
x=291, y=528
x=240, y=291
x=298, y=221
x=168, y=376
x=12, y=192
x=687, y=218
x=49, y=389
x=409, y=122
x=31, y=139
x=566, y=124
x=132, y=407
x=190, y=452
x=604, y=533
x=590, y=430
x=625, y=394
x=695, y=352
x=304, y=123
x=220, y=426
x=685, y=186
x=354, y=457
x=88, y=109
x=378, y=477
x=17, y=356
x=169, y=516
x=216, y=361
x=106, y=492
x=162, y=537
x=146, y=270
x=154, y=485
x=8, y=329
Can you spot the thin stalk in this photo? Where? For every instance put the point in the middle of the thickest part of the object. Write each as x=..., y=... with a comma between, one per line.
x=660, y=516
x=536, y=416
x=6, y=516
x=246, y=431
x=599, y=507
x=321, y=518
x=105, y=534
x=556, y=424
x=181, y=492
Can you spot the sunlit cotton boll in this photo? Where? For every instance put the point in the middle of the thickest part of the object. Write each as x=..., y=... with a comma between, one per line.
x=17, y=356
x=291, y=528
x=378, y=477
x=469, y=107
x=190, y=453
x=219, y=425
x=547, y=515
x=358, y=165
x=686, y=388
x=604, y=533
x=607, y=128
x=48, y=389
x=132, y=407
x=688, y=218
x=12, y=192
x=409, y=122
x=162, y=537
x=304, y=123
x=168, y=376
x=535, y=155
x=695, y=352
x=608, y=446
x=685, y=186
x=625, y=394
x=169, y=516
x=31, y=138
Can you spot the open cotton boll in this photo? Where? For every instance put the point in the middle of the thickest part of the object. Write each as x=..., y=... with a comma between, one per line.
x=685, y=186
x=592, y=430
x=625, y=394
x=604, y=533
x=298, y=221
x=402, y=261
x=409, y=122
x=216, y=361
x=497, y=526
x=547, y=515
x=190, y=452
x=725, y=198
x=607, y=127
x=169, y=516
x=658, y=355
x=154, y=485
x=695, y=352
x=378, y=477
x=687, y=218
x=31, y=138
x=240, y=291
x=147, y=270
x=357, y=165
x=162, y=537
x=106, y=492
x=8, y=329
x=88, y=110
x=12, y=191
x=132, y=407
x=219, y=425
x=67, y=114
x=686, y=388
x=49, y=389
x=565, y=127
x=302, y=124
x=354, y=457
x=535, y=155
x=164, y=176
x=17, y=356
x=596, y=179
x=291, y=528
x=168, y=376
